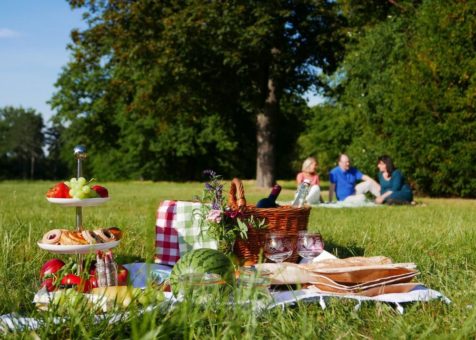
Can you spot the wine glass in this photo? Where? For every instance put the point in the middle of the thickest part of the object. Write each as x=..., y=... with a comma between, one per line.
x=309, y=245
x=279, y=246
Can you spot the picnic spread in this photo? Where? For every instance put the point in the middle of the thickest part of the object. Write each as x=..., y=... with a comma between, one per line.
x=212, y=244
x=360, y=278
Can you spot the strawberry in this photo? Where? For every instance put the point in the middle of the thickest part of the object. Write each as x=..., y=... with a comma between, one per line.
x=102, y=191
x=60, y=190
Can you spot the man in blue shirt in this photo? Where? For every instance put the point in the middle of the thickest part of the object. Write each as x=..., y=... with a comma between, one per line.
x=343, y=182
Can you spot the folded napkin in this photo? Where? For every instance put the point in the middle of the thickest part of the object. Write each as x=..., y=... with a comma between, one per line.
x=286, y=273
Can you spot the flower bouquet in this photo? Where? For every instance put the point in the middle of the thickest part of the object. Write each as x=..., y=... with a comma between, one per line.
x=218, y=220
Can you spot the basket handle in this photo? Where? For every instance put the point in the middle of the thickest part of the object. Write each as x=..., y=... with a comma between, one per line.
x=236, y=196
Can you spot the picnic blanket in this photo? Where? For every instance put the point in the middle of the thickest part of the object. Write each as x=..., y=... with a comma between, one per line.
x=178, y=231
x=141, y=274
x=279, y=299
x=339, y=204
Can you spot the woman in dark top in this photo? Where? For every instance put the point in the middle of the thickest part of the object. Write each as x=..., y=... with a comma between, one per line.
x=393, y=188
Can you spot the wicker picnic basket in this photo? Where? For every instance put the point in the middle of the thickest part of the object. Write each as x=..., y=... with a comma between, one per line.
x=285, y=219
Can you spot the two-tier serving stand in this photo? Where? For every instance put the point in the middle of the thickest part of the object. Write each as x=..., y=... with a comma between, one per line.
x=80, y=155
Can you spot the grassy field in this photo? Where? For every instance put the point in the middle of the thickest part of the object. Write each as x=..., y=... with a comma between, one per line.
x=439, y=235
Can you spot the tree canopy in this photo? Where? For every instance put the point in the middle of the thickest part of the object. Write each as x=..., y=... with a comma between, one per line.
x=162, y=90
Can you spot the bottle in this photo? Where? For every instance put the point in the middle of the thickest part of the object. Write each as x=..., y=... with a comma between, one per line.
x=101, y=269
x=301, y=194
x=270, y=201
x=111, y=269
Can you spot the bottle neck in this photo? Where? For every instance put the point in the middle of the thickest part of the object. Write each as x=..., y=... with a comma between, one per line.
x=275, y=191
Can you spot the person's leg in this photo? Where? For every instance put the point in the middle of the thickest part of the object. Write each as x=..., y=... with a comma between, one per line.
x=357, y=198
x=368, y=186
x=314, y=195
x=399, y=197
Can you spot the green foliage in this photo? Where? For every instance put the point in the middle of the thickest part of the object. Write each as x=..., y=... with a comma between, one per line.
x=21, y=142
x=165, y=90
x=407, y=88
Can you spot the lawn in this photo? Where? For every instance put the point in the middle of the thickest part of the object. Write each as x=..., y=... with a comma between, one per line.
x=439, y=235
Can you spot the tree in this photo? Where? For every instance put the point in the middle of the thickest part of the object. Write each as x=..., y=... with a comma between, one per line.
x=22, y=140
x=406, y=88
x=55, y=166
x=161, y=88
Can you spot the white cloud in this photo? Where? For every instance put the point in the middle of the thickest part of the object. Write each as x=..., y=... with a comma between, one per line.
x=8, y=33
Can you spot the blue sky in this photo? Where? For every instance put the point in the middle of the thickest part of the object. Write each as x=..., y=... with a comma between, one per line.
x=33, y=39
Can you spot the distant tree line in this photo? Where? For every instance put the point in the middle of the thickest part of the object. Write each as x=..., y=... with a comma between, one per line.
x=162, y=90
x=29, y=150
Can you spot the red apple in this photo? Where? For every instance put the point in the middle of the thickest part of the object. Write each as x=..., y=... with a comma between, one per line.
x=93, y=282
x=60, y=190
x=50, y=267
x=74, y=281
x=85, y=286
x=70, y=280
x=122, y=275
x=49, y=284
x=101, y=191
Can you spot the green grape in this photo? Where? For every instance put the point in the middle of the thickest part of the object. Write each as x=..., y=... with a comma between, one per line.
x=86, y=189
x=72, y=192
x=80, y=195
x=82, y=181
x=73, y=180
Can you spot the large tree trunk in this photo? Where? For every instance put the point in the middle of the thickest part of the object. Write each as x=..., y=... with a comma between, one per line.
x=265, y=135
x=32, y=167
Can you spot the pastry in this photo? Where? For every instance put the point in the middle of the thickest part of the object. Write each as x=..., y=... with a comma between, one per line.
x=105, y=235
x=91, y=237
x=69, y=238
x=52, y=236
x=116, y=232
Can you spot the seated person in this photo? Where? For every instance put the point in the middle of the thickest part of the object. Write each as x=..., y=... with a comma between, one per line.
x=308, y=172
x=343, y=182
x=393, y=189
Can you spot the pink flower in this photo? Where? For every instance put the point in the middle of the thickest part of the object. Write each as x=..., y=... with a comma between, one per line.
x=214, y=215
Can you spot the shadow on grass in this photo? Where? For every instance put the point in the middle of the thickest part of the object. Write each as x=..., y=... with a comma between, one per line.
x=129, y=259
x=343, y=251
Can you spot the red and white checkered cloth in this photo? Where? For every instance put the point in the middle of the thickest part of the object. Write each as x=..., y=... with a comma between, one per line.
x=178, y=230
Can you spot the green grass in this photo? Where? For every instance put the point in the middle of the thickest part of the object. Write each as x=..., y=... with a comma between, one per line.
x=439, y=235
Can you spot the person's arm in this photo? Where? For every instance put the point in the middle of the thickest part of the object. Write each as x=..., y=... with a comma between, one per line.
x=380, y=199
x=299, y=178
